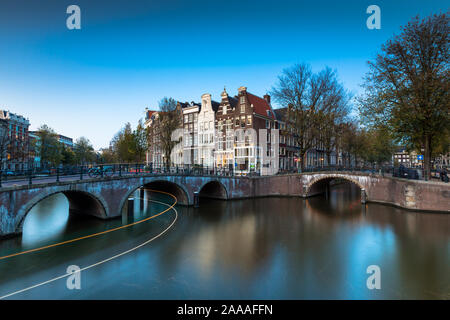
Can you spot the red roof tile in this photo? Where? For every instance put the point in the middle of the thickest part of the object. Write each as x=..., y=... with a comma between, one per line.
x=261, y=106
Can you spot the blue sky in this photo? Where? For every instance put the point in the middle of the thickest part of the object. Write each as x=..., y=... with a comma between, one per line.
x=130, y=54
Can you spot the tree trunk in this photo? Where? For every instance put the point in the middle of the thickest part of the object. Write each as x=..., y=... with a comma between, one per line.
x=303, y=164
x=427, y=158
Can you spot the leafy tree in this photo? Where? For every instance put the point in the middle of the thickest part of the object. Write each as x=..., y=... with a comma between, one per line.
x=84, y=151
x=407, y=87
x=140, y=142
x=68, y=156
x=123, y=144
x=48, y=146
x=107, y=155
x=379, y=144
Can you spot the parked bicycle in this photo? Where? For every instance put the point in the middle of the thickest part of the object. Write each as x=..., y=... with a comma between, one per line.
x=96, y=172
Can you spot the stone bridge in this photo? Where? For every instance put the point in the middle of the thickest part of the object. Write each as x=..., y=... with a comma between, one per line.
x=105, y=198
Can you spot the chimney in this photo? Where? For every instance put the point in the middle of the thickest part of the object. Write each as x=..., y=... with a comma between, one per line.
x=267, y=98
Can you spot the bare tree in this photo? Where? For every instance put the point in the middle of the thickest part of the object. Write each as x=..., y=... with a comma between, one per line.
x=169, y=120
x=314, y=100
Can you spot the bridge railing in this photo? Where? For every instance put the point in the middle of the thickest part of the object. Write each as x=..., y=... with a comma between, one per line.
x=81, y=172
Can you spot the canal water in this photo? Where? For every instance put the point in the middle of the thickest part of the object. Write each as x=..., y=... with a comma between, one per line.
x=266, y=248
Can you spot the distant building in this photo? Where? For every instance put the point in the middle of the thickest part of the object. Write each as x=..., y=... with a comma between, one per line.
x=442, y=161
x=154, y=153
x=15, y=150
x=289, y=150
x=66, y=141
x=406, y=158
x=34, y=140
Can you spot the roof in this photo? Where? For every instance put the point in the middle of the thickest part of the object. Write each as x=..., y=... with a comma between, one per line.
x=233, y=101
x=261, y=106
x=215, y=105
x=185, y=105
x=281, y=113
x=149, y=114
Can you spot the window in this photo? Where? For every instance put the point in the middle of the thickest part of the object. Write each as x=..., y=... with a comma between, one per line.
x=242, y=99
x=249, y=120
x=267, y=124
x=242, y=108
x=243, y=121
x=224, y=109
x=237, y=122
x=186, y=119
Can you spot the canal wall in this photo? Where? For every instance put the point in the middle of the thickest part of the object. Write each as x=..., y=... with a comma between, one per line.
x=404, y=193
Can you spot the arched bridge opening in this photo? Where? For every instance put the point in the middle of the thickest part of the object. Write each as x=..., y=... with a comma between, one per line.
x=170, y=187
x=85, y=203
x=80, y=202
x=324, y=185
x=213, y=190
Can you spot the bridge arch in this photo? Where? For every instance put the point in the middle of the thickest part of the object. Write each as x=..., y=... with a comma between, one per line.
x=176, y=189
x=319, y=184
x=79, y=202
x=213, y=189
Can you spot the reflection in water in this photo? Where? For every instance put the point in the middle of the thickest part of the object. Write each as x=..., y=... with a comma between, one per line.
x=43, y=223
x=271, y=248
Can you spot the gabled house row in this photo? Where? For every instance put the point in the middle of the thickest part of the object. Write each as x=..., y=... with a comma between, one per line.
x=210, y=137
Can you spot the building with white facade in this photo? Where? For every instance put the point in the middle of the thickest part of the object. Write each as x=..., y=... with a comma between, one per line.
x=206, y=131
